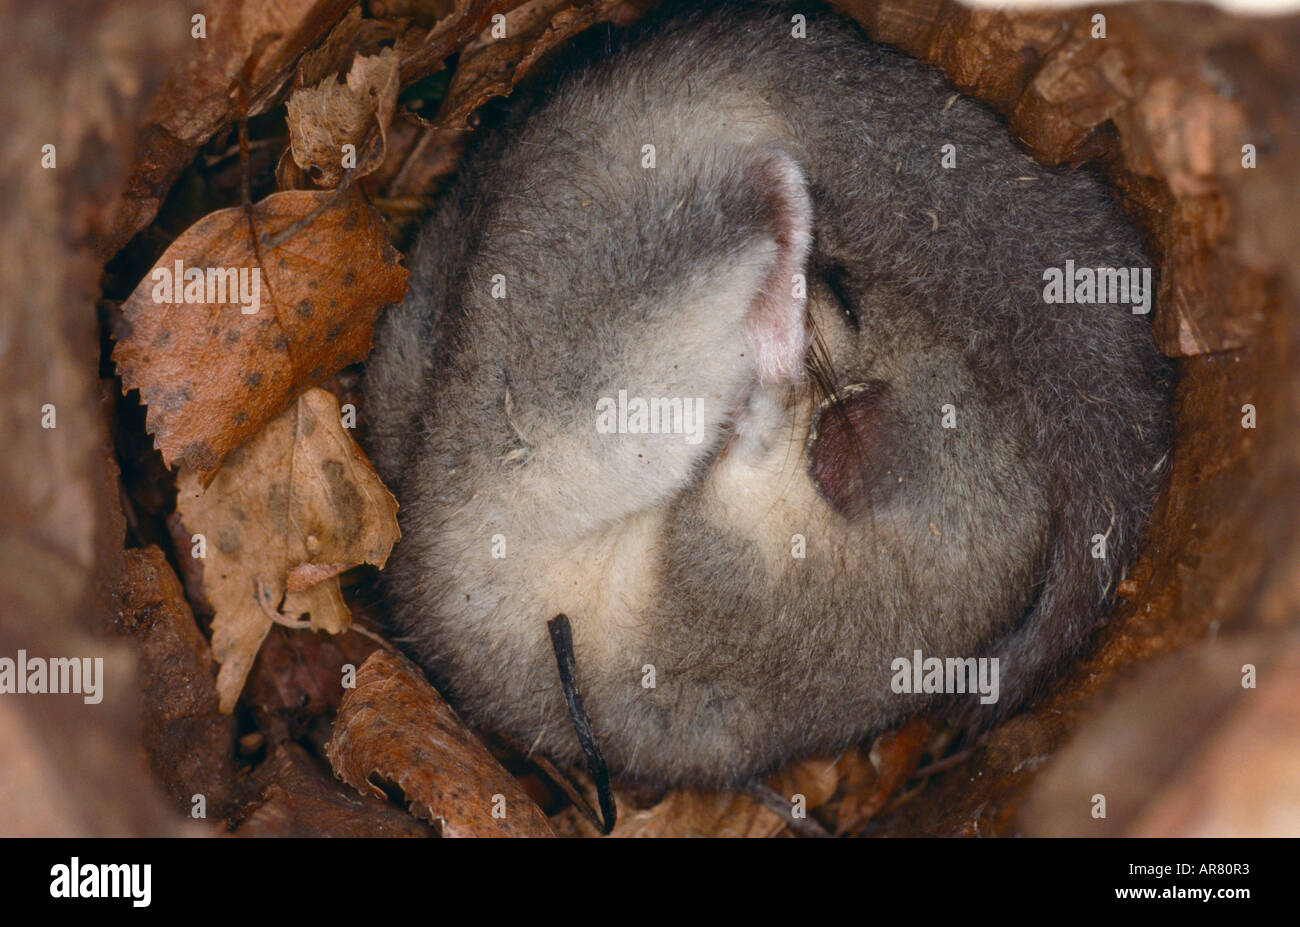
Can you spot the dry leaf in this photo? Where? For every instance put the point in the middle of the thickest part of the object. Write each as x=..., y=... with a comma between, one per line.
x=301, y=799
x=418, y=158
x=189, y=742
x=894, y=757
x=394, y=725
x=815, y=778
x=425, y=11
x=701, y=814
x=426, y=152
x=255, y=43
x=299, y=494
x=352, y=36
x=297, y=679
x=324, y=118
x=449, y=35
x=212, y=373
x=490, y=67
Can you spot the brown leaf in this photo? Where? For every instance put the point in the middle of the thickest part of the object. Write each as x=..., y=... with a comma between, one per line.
x=815, y=778
x=212, y=373
x=893, y=758
x=687, y=813
x=324, y=118
x=699, y=813
x=418, y=158
x=301, y=492
x=426, y=12
x=490, y=67
x=255, y=43
x=394, y=725
x=190, y=743
x=450, y=33
x=354, y=35
x=302, y=800
x=298, y=678
x=421, y=153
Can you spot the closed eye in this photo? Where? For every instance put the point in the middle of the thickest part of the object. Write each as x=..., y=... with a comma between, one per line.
x=836, y=280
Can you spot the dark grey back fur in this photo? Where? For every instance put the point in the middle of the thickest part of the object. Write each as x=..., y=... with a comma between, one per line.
x=960, y=542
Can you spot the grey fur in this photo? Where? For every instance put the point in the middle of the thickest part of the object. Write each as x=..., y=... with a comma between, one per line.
x=976, y=540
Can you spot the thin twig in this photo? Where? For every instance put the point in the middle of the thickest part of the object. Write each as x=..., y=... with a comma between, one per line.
x=562, y=643
x=775, y=802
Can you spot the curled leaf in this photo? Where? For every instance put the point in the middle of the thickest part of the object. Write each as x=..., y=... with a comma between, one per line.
x=326, y=118
x=491, y=65
x=299, y=497
x=395, y=726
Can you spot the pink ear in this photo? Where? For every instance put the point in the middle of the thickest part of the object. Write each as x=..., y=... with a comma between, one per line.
x=776, y=327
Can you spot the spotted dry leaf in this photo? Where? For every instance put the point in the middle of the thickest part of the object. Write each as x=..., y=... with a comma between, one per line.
x=211, y=372
x=281, y=519
x=395, y=727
